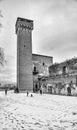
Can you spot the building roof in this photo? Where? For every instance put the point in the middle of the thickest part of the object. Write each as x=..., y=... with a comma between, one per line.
x=42, y=55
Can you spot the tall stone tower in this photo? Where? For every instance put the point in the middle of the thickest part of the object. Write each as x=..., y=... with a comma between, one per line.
x=24, y=29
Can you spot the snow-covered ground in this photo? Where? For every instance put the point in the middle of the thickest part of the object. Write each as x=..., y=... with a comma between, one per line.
x=40, y=112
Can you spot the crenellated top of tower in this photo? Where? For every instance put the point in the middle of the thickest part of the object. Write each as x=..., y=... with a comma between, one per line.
x=24, y=24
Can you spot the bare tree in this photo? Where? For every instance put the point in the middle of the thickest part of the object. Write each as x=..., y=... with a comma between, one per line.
x=2, y=57
x=0, y=18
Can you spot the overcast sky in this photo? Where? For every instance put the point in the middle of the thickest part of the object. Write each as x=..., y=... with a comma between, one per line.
x=54, y=34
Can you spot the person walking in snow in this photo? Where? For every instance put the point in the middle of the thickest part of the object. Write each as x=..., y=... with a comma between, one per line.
x=69, y=90
x=5, y=91
x=27, y=93
x=41, y=90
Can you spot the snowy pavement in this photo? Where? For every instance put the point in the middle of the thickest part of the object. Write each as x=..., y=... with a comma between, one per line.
x=40, y=112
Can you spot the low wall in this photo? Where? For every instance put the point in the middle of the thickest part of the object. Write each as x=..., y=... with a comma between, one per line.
x=59, y=85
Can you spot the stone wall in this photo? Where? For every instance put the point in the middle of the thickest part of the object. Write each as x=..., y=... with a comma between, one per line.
x=59, y=84
x=66, y=67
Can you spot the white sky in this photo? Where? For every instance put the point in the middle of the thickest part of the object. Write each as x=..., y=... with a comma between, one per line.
x=54, y=34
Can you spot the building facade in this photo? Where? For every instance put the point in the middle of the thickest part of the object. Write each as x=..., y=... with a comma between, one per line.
x=41, y=64
x=24, y=29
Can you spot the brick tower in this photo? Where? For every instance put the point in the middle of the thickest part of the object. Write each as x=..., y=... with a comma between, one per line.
x=24, y=29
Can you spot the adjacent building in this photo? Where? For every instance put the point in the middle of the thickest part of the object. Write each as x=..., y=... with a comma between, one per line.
x=41, y=64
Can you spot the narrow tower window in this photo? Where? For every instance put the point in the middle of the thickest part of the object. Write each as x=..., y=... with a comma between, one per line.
x=43, y=63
